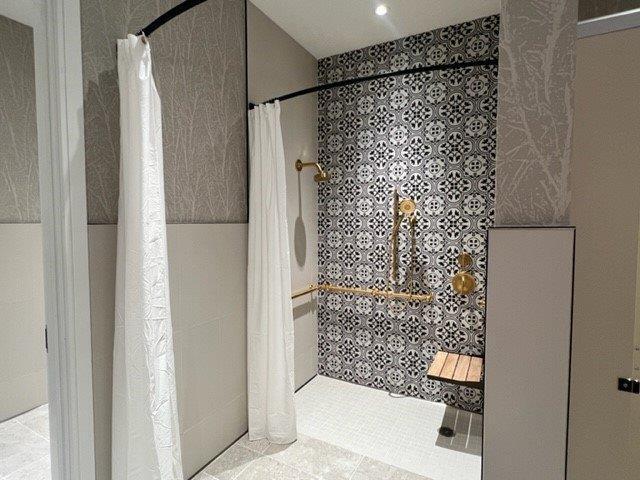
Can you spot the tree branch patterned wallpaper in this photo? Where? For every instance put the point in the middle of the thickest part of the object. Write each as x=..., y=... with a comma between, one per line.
x=199, y=68
x=431, y=136
x=535, y=114
x=19, y=190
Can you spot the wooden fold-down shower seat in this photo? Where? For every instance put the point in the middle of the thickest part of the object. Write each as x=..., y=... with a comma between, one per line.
x=455, y=368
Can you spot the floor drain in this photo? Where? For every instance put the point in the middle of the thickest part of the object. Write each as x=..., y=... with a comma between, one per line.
x=446, y=432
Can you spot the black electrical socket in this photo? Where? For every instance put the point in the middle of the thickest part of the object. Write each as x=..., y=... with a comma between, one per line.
x=630, y=385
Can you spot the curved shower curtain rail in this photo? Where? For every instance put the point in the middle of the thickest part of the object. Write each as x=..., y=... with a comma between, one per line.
x=169, y=15
x=408, y=71
x=189, y=4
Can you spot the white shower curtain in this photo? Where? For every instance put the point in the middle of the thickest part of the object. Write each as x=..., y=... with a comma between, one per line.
x=269, y=310
x=145, y=434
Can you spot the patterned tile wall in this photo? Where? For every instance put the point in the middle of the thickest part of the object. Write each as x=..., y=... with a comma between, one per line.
x=19, y=192
x=199, y=68
x=432, y=137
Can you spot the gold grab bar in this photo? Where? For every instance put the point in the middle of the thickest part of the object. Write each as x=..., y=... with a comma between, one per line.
x=310, y=289
x=417, y=297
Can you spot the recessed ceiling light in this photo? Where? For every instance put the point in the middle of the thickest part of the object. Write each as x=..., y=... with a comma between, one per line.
x=381, y=10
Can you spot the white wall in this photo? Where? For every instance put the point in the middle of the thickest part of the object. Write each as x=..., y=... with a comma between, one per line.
x=605, y=423
x=23, y=368
x=207, y=274
x=279, y=65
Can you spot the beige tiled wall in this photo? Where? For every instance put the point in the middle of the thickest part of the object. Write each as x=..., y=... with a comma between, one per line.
x=23, y=369
x=207, y=267
x=278, y=65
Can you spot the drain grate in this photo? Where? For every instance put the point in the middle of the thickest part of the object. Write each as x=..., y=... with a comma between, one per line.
x=446, y=432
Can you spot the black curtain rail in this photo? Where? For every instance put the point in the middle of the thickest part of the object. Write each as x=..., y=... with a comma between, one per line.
x=410, y=71
x=169, y=15
x=189, y=4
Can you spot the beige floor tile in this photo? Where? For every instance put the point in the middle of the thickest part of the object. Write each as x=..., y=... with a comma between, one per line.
x=19, y=446
x=231, y=463
x=257, y=445
x=267, y=468
x=370, y=469
x=37, y=420
x=316, y=458
x=203, y=476
x=38, y=470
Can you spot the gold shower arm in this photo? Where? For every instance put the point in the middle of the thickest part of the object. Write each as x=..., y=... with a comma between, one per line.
x=320, y=176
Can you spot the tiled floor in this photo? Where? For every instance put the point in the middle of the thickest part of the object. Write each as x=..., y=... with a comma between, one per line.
x=350, y=432
x=346, y=432
x=24, y=446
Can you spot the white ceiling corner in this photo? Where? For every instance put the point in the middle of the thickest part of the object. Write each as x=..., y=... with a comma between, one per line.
x=328, y=27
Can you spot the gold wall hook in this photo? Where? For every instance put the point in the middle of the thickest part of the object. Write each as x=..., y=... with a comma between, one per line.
x=320, y=176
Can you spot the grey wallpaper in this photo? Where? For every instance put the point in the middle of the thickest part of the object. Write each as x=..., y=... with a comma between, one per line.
x=598, y=8
x=432, y=137
x=535, y=114
x=199, y=68
x=19, y=192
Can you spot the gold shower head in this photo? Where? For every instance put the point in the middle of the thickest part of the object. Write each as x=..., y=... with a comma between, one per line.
x=320, y=176
x=407, y=207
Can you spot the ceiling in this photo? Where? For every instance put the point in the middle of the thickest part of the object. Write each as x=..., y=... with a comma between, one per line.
x=328, y=27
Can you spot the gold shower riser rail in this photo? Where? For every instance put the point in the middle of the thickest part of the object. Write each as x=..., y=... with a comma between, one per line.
x=372, y=292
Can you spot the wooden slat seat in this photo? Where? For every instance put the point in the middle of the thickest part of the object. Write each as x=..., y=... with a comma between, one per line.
x=455, y=368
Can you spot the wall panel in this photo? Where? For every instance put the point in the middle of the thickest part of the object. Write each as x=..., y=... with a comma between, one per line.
x=529, y=308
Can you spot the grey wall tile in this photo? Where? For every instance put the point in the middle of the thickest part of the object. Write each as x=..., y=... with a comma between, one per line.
x=23, y=363
x=535, y=111
x=199, y=68
x=19, y=193
x=209, y=336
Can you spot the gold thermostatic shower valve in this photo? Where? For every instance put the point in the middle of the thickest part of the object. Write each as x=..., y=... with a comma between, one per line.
x=463, y=282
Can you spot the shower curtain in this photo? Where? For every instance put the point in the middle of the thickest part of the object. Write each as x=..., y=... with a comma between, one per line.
x=145, y=434
x=269, y=310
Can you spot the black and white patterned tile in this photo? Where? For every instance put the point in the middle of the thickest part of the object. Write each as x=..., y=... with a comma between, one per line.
x=431, y=136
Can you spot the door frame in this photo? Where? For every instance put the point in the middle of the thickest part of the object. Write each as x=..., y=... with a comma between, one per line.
x=59, y=107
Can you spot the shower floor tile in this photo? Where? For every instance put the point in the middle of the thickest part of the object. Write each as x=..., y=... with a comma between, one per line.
x=351, y=432
x=24, y=446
